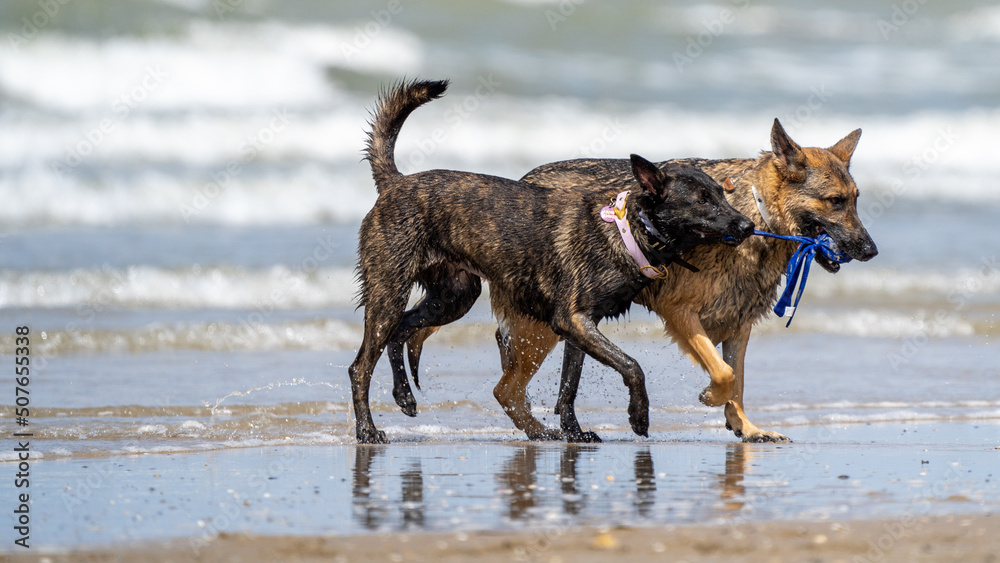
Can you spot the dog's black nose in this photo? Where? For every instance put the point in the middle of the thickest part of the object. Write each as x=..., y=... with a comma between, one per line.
x=867, y=250
x=745, y=228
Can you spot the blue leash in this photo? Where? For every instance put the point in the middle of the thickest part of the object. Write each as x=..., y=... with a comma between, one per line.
x=799, y=262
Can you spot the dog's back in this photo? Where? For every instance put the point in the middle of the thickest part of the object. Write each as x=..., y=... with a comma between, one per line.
x=496, y=227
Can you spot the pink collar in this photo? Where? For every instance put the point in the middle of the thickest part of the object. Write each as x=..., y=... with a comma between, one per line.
x=616, y=214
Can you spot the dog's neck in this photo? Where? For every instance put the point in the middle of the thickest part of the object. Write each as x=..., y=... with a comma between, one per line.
x=758, y=179
x=659, y=248
x=761, y=175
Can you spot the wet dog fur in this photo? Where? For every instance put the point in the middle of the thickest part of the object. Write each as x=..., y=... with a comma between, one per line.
x=806, y=191
x=548, y=255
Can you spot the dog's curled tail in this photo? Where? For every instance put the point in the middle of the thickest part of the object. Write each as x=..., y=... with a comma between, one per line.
x=394, y=105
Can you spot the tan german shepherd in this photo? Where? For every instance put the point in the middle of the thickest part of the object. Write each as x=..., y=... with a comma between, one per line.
x=805, y=191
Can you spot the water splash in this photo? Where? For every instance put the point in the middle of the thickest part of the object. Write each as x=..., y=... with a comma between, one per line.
x=268, y=387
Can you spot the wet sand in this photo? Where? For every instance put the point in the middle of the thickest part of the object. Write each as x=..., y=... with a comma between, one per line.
x=925, y=539
x=894, y=492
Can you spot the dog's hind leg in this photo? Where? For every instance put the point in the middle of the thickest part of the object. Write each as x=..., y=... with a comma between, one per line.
x=524, y=344
x=385, y=288
x=582, y=332
x=734, y=351
x=361, y=378
x=447, y=300
x=569, y=383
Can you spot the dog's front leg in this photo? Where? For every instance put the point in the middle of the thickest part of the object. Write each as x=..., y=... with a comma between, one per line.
x=694, y=342
x=734, y=351
x=569, y=383
x=581, y=331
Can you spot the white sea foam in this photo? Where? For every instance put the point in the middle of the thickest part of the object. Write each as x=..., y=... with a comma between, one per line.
x=208, y=65
x=309, y=171
x=876, y=323
x=230, y=287
x=152, y=165
x=307, y=194
x=92, y=291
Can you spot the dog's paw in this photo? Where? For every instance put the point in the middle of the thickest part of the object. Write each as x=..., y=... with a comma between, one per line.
x=639, y=420
x=406, y=401
x=583, y=438
x=716, y=396
x=764, y=436
x=544, y=435
x=372, y=437
x=638, y=412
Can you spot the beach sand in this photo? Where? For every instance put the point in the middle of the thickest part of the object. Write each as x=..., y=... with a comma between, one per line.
x=925, y=539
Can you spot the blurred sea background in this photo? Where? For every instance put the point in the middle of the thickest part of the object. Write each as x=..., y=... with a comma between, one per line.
x=182, y=186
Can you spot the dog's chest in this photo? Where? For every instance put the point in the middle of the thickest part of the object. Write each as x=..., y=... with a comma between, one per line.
x=614, y=300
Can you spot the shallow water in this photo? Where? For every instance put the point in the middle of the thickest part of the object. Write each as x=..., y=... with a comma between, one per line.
x=863, y=471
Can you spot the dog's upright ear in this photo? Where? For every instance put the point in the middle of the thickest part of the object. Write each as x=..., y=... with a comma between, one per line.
x=651, y=179
x=844, y=148
x=789, y=158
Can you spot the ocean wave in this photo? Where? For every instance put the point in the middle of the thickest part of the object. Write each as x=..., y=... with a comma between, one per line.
x=255, y=331
x=174, y=170
x=877, y=323
x=218, y=66
x=307, y=285
x=882, y=282
x=91, y=291
x=304, y=195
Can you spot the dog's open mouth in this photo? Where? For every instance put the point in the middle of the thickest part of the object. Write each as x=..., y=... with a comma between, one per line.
x=826, y=263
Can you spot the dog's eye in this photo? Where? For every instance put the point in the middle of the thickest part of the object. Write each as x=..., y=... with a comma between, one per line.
x=836, y=200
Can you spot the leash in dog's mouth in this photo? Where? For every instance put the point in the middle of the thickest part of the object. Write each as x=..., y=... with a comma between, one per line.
x=615, y=213
x=799, y=262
